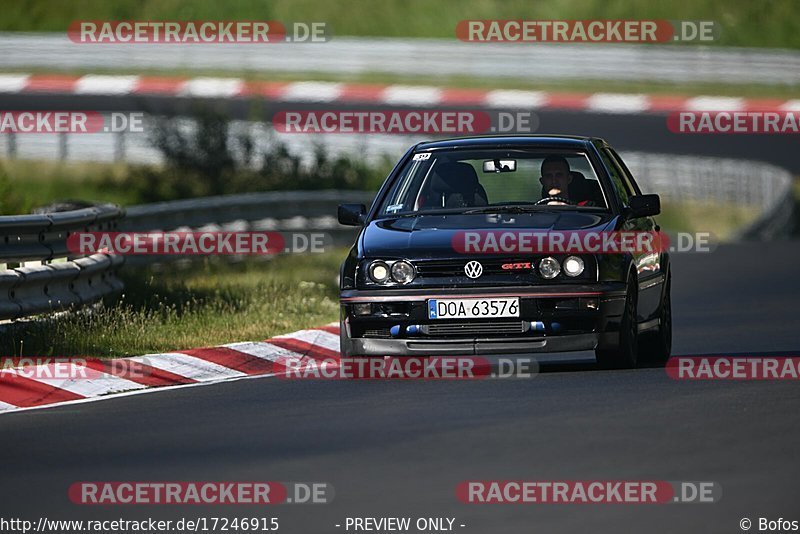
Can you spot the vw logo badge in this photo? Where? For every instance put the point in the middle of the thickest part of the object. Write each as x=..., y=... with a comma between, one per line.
x=473, y=269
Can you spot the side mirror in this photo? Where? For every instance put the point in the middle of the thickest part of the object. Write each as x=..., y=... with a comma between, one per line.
x=644, y=206
x=352, y=214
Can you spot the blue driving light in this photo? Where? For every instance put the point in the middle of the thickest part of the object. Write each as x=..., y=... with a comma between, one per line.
x=533, y=326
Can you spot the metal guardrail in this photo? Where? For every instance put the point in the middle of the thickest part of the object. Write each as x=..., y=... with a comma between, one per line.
x=37, y=273
x=59, y=282
x=710, y=179
x=765, y=187
x=776, y=222
x=275, y=211
x=138, y=147
x=426, y=58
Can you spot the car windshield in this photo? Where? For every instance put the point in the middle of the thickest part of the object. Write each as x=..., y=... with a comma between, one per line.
x=486, y=181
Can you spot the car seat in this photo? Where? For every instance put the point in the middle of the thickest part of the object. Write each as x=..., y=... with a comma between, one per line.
x=455, y=185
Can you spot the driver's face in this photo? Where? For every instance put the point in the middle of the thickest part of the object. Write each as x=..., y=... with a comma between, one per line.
x=555, y=179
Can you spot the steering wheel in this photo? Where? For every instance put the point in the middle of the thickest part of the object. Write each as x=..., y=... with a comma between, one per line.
x=554, y=199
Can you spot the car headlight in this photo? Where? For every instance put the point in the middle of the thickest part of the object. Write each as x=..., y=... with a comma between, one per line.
x=378, y=271
x=573, y=266
x=402, y=272
x=549, y=268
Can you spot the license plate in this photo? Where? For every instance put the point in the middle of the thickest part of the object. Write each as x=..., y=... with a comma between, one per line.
x=473, y=308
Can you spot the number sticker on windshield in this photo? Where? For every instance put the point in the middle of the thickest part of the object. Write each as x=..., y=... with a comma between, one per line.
x=422, y=156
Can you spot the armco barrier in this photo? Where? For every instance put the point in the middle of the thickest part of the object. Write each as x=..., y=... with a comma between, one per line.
x=766, y=188
x=425, y=57
x=37, y=274
x=277, y=210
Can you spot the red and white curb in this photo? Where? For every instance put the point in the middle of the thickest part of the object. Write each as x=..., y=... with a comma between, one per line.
x=27, y=388
x=390, y=95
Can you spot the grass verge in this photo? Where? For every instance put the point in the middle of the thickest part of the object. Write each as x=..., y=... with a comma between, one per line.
x=209, y=304
x=25, y=184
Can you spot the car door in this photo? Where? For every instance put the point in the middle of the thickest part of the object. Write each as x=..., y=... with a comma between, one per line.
x=648, y=264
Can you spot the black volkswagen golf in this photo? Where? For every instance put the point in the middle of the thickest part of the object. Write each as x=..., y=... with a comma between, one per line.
x=500, y=245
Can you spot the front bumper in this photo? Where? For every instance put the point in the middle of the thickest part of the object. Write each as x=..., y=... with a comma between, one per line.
x=473, y=346
x=568, y=318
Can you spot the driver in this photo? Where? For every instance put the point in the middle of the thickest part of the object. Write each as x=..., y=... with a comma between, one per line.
x=555, y=179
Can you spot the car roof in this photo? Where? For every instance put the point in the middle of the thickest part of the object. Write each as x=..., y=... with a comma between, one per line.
x=532, y=141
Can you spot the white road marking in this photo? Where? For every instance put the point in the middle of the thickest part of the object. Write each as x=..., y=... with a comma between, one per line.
x=106, y=85
x=13, y=83
x=618, y=103
x=516, y=99
x=715, y=103
x=313, y=91
x=187, y=366
x=212, y=87
x=412, y=94
x=94, y=384
x=315, y=337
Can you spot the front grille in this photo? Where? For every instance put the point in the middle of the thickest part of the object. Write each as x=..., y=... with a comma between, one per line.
x=474, y=328
x=377, y=332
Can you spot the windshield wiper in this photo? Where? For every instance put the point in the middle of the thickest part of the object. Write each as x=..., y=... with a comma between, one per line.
x=505, y=209
x=441, y=211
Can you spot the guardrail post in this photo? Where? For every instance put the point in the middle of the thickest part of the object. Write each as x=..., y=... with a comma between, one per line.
x=62, y=146
x=11, y=147
x=119, y=147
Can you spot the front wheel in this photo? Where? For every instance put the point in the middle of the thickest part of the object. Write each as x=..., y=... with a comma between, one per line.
x=657, y=346
x=626, y=354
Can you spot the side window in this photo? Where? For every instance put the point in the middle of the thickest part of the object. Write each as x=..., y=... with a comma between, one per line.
x=623, y=190
x=626, y=173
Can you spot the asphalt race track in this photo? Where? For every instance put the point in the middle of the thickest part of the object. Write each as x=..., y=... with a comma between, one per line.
x=400, y=448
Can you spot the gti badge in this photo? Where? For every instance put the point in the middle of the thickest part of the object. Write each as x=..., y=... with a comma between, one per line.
x=516, y=266
x=473, y=269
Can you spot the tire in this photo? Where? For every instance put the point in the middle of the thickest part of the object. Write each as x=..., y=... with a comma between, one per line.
x=656, y=346
x=626, y=354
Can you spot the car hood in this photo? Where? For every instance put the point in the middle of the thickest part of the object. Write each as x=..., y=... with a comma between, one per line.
x=430, y=236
